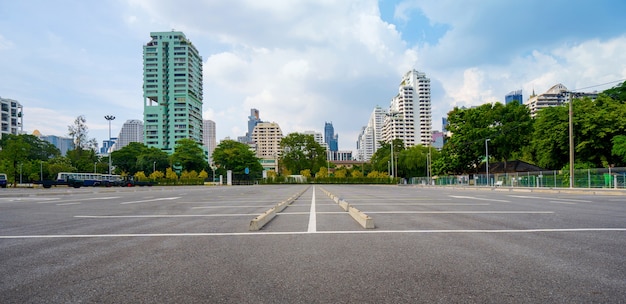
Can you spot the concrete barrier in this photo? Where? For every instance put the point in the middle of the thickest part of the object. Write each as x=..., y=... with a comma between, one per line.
x=363, y=219
x=344, y=205
x=258, y=222
x=262, y=219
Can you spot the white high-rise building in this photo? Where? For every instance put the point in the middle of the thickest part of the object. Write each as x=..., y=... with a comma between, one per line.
x=209, y=138
x=371, y=135
x=409, y=117
x=132, y=131
x=11, y=118
x=557, y=95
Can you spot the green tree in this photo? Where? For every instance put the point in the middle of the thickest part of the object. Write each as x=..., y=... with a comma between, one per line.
x=59, y=164
x=14, y=152
x=151, y=159
x=301, y=152
x=511, y=130
x=83, y=160
x=79, y=132
x=125, y=159
x=381, y=160
x=595, y=123
x=617, y=93
x=619, y=147
x=189, y=154
x=236, y=156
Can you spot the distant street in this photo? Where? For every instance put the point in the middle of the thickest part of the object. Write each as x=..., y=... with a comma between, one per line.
x=192, y=245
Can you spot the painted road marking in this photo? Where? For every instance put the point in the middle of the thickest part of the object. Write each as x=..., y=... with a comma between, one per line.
x=425, y=204
x=562, y=202
x=151, y=200
x=480, y=199
x=462, y=212
x=256, y=233
x=66, y=204
x=306, y=213
x=232, y=206
x=83, y=199
x=162, y=215
x=551, y=198
x=312, y=215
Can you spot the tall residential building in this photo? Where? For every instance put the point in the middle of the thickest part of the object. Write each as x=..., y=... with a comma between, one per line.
x=11, y=117
x=514, y=96
x=209, y=138
x=371, y=135
x=132, y=131
x=555, y=96
x=330, y=138
x=172, y=90
x=409, y=117
x=267, y=137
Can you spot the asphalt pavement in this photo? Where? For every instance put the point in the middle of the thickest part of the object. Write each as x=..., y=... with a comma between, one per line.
x=193, y=245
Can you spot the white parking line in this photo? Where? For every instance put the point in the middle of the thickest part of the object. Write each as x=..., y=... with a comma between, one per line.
x=83, y=199
x=460, y=212
x=65, y=204
x=163, y=215
x=231, y=206
x=551, y=198
x=312, y=216
x=424, y=204
x=151, y=200
x=546, y=230
x=480, y=199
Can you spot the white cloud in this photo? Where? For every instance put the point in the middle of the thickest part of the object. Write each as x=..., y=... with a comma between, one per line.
x=5, y=44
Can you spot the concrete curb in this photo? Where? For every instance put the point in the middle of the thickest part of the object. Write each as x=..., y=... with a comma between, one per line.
x=262, y=219
x=363, y=219
x=584, y=191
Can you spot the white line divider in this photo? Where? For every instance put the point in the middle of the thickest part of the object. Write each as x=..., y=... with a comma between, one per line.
x=363, y=219
x=262, y=219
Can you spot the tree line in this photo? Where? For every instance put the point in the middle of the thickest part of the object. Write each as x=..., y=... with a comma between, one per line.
x=507, y=130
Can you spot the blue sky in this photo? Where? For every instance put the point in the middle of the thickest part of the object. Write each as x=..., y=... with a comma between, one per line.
x=301, y=63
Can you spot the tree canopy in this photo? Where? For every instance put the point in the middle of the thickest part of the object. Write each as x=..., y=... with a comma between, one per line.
x=236, y=156
x=301, y=152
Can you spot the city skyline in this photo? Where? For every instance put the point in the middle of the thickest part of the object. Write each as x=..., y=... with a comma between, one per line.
x=65, y=60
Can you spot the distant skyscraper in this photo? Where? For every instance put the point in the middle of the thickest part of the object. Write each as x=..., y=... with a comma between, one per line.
x=107, y=146
x=514, y=96
x=409, y=116
x=331, y=139
x=11, y=118
x=132, y=131
x=253, y=120
x=64, y=144
x=371, y=135
x=209, y=137
x=172, y=90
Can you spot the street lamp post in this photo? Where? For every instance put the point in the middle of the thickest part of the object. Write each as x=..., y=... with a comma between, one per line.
x=392, y=115
x=487, y=161
x=109, y=118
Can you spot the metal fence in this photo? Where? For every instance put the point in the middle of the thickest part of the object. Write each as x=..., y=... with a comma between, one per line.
x=583, y=178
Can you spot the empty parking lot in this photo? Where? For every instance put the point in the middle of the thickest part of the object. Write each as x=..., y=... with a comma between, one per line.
x=193, y=244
